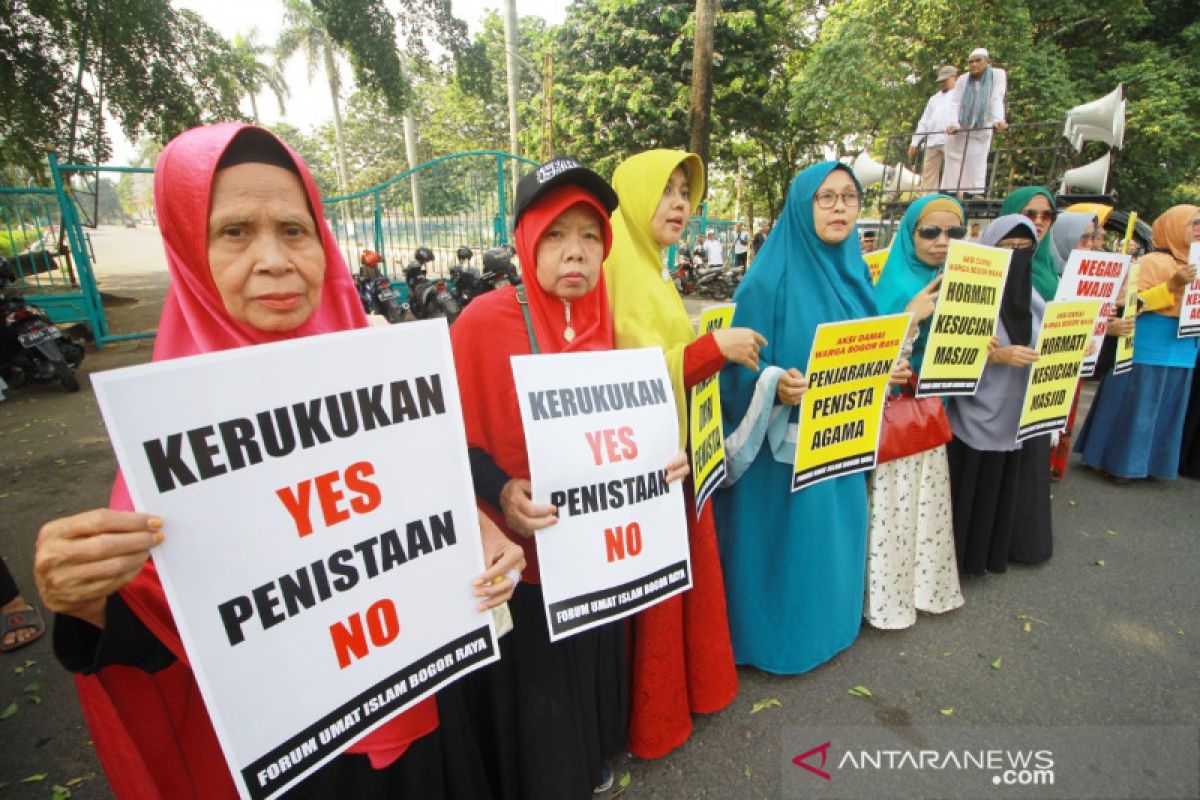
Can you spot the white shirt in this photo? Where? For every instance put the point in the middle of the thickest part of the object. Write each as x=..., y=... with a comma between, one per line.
x=940, y=113
x=741, y=243
x=995, y=106
x=714, y=251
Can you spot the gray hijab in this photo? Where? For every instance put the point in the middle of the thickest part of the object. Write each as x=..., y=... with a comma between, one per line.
x=1064, y=236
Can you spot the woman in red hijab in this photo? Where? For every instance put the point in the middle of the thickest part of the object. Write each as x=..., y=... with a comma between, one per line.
x=558, y=709
x=251, y=261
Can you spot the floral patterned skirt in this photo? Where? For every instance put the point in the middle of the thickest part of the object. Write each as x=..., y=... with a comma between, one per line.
x=910, y=553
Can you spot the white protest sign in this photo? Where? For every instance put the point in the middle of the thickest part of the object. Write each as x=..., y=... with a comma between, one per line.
x=321, y=533
x=1094, y=275
x=1189, y=313
x=600, y=428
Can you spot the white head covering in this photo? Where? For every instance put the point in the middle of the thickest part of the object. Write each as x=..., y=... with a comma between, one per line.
x=979, y=52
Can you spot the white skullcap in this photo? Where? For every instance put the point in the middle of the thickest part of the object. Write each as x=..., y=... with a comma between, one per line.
x=979, y=52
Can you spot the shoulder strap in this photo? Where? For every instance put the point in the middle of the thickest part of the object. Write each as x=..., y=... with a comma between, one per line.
x=524, y=301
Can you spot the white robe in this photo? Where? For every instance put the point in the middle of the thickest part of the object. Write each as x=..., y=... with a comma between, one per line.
x=967, y=154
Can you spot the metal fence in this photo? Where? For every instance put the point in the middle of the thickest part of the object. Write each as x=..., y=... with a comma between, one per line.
x=443, y=204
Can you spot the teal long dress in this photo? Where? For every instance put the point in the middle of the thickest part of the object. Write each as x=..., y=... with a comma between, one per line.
x=793, y=561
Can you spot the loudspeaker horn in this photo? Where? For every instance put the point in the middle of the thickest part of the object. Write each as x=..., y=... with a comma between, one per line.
x=1101, y=120
x=900, y=179
x=1089, y=179
x=866, y=169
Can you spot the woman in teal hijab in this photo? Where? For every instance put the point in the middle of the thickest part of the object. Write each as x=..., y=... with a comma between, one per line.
x=910, y=555
x=1037, y=204
x=793, y=561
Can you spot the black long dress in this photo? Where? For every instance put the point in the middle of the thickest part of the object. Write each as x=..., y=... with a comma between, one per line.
x=1189, y=451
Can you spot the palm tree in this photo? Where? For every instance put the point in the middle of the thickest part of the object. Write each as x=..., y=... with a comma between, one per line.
x=303, y=29
x=254, y=74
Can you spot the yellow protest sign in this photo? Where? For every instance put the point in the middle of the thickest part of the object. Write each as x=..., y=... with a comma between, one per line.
x=965, y=319
x=875, y=261
x=840, y=414
x=1124, y=359
x=1066, y=330
x=707, y=437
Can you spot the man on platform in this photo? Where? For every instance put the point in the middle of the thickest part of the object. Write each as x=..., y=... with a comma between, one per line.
x=979, y=107
x=939, y=115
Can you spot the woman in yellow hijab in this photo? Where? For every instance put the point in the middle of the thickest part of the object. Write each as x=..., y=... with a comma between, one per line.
x=682, y=657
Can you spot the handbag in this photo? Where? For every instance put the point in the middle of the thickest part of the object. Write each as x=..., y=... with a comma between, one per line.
x=911, y=424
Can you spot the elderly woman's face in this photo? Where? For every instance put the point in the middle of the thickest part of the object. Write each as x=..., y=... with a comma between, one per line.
x=1040, y=213
x=833, y=216
x=570, y=252
x=263, y=247
x=1194, y=228
x=673, y=210
x=1089, y=239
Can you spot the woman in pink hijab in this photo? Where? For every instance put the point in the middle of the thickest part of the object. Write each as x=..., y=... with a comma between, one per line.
x=251, y=261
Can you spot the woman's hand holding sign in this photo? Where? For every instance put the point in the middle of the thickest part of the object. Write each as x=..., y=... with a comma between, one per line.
x=520, y=512
x=740, y=345
x=505, y=562
x=791, y=387
x=1014, y=355
x=80, y=560
x=923, y=304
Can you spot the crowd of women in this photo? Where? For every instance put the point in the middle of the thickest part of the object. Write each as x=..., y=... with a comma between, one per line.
x=781, y=580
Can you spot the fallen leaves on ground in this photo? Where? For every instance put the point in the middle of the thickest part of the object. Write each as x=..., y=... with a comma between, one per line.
x=8, y=711
x=1100, y=562
x=947, y=711
x=859, y=691
x=999, y=662
x=770, y=702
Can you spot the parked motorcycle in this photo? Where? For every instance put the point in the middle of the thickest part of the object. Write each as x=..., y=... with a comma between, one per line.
x=426, y=298
x=713, y=281
x=32, y=348
x=375, y=290
x=470, y=282
x=685, y=280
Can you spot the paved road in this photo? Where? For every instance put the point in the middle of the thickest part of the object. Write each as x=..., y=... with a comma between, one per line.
x=1107, y=645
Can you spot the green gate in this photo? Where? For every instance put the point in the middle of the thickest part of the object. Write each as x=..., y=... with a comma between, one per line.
x=461, y=199
x=443, y=204
x=42, y=235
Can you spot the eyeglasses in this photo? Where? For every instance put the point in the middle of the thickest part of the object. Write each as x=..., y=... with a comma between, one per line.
x=1036, y=215
x=932, y=232
x=827, y=199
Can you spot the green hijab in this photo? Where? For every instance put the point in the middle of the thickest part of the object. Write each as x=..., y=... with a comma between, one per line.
x=1045, y=276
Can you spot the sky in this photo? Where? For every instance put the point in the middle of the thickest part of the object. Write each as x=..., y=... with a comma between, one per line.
x=308, y=106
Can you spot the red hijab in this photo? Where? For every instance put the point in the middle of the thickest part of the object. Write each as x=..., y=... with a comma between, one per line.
x=151, y=730
x=492, y=329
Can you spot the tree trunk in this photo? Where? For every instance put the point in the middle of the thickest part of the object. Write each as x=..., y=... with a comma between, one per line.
x=331, y=73
x=700, y=115
x=254, y=107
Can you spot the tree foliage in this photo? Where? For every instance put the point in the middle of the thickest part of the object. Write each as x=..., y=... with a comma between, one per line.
x=157, y=70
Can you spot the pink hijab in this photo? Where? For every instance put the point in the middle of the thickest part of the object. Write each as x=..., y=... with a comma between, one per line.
x=151, y=730
x=194, y=319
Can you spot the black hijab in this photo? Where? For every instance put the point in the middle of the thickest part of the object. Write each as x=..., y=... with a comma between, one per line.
x=1016, y=313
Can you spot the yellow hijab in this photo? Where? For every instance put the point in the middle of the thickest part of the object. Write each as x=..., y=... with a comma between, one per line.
x=647, y=310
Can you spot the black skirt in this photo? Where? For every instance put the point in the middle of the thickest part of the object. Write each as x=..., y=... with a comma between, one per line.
x=1189, y=450
x=548, y=714
x=1001, y=502
x=446, y=764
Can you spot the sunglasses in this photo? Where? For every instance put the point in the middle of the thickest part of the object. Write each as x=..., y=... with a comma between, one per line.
x=1036, y=215
x=932, y=232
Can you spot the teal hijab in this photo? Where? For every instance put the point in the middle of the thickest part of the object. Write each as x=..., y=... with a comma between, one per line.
x=1045, y=276
x=797, y=282
x=904, y=274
